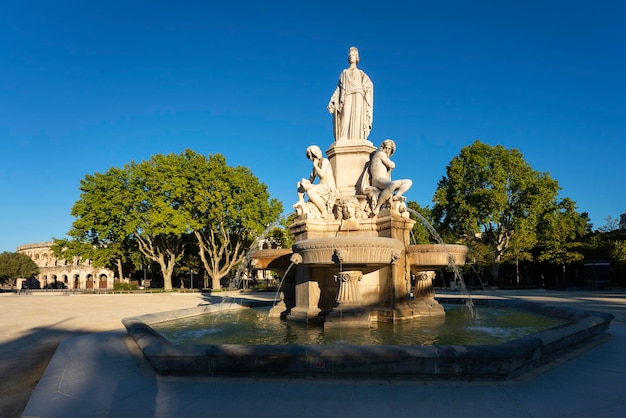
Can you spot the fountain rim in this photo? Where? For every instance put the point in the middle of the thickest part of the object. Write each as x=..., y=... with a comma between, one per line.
x=489, y=362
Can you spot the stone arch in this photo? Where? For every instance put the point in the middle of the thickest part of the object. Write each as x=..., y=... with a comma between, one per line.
x=103, y=281
x=76, y=281
x=89, y=282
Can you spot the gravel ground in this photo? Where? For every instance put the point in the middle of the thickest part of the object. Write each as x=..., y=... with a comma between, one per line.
x=33, y=325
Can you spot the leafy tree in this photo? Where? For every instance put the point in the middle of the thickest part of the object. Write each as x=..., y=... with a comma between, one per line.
x=561, y=234
x=16, y=265
x=611, y=224
x=493, y=193
x=419, y=233
x=101, y=231
x=229, y=209
x=281, y=234
x=520, y=246
x=618, y=252
x=157, y=205
x=158, y=193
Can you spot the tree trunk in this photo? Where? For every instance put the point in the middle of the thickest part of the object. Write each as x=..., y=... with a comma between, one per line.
x=495, y=267
x=120, y=272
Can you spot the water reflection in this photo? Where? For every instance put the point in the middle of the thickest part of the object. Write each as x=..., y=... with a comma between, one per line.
x=493, y=325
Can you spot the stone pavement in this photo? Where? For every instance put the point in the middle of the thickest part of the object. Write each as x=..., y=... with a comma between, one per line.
x=102, y=374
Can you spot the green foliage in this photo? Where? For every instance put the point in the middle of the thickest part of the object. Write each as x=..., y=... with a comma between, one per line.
x=101, y=231
x=492, y=192
x=562, y=231
x=229, y=214
x=121, y=286
x=611, y=224
x=152, y=210
x=419, y=233
x=618, y=252
x=16, y=265
x=281, y=234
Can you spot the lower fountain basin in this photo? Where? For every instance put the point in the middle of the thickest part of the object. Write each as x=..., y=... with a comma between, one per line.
x=497, y=361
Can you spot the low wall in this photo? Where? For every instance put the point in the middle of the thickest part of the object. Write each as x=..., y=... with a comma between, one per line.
x=498, y=361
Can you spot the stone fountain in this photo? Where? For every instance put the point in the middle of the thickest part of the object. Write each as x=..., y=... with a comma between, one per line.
x=353, y=262
x=352, y=266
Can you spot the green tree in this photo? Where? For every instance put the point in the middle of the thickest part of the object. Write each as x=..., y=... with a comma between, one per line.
x=520, y=249
x=158, y=192
x=491, y=192
x=562, y=231
x=229, y=209
x=419, y=233
x=611, y=224
x=16, y=265
x=100, y=231
x=280, y=235
x=157, y=205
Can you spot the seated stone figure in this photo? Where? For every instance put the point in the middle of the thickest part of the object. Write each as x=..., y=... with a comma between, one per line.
x=380, y=167
x=322, y=194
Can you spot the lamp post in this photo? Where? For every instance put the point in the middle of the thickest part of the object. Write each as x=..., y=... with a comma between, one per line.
x=191, y=284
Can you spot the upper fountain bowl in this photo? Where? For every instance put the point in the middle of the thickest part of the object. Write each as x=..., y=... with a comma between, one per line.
x=276, y=259
x=366, y=253
x=433, y=256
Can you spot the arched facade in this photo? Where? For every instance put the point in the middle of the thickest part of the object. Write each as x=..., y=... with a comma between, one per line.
x=60, y=274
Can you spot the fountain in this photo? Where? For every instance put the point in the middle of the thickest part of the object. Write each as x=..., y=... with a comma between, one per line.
x=352, y=266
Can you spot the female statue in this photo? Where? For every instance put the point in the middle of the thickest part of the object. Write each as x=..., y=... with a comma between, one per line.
x=352, y=103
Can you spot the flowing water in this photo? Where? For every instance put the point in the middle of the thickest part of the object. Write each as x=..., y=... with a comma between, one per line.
x=280, y=285
x=458, y=278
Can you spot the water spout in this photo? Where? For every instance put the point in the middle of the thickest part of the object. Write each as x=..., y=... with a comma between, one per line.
x=457, y=273
x=280, y=285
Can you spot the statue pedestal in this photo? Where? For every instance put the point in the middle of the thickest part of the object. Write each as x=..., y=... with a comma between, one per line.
x=348, y=311
x=307, y=297
x=348, y=158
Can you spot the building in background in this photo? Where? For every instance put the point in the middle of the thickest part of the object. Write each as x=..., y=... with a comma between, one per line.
x=57, y=273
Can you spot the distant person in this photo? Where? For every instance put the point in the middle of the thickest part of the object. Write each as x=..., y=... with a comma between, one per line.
x=352, y=103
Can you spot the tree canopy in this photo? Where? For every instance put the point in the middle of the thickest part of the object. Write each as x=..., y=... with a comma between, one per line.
x=562, y=231
x=229, y=209
x=491, y=192
x=101, y=231
x=153, y=206
x=16, y=265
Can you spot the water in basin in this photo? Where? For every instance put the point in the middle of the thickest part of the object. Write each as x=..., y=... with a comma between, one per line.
x=492, y=325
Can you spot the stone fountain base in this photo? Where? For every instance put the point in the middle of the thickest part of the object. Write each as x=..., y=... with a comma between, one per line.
x=488, y=362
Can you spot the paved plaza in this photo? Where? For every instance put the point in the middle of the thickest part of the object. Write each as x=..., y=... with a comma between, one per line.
x=77, y=350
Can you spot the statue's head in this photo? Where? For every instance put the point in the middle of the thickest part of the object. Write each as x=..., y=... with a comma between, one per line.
x=314, y=150
x=388, y=144
x=354, y=52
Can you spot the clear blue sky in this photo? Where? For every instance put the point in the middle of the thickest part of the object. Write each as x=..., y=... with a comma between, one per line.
x=85, y=86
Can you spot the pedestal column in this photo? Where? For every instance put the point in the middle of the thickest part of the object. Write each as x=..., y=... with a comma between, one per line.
x=349, y=311
x=348, y=158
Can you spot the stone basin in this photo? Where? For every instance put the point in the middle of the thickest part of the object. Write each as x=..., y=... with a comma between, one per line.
x=433, y=256
x=362, y=253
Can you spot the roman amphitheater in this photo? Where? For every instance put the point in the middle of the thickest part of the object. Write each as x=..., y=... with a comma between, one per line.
x=57, y=273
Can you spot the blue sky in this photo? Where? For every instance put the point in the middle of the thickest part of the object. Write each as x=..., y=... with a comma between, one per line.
x=85, y=86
